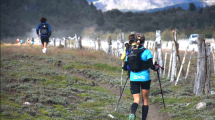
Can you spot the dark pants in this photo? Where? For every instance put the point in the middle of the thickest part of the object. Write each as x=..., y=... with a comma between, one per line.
x=44, y=39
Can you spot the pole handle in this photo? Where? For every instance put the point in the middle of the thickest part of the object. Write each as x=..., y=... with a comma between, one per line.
x=159, y=66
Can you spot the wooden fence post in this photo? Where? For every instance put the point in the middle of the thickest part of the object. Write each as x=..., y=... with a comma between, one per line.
x=208, y=69
x=123, y=40
x=94, y=44
x=54, y=42
x=70, y=43
x=177, y=49
x=154, y=47
x=189, y=65
x=159, y=49
x=165, y=60
x=170, y=62
x=150, y=46
x=194, y=88
x=75, y=40
x=174, y=61
x=109, y=45
x=79, y=42
x=99, y=43
x=147, y=43
x=155, y=52
x=64, y=40
x=213, y=51
x=117, y=48
x=200, y=77
x=60, y=43
x=176, y=82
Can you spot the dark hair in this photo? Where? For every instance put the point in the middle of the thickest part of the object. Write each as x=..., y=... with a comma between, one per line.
x=140, y=37
x=42, y=19
x=131, y=38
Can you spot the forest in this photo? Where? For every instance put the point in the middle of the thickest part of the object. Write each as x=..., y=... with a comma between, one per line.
x=71, y=17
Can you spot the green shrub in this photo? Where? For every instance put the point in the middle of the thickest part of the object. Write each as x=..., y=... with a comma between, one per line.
x=11, y=98
x=39, y=105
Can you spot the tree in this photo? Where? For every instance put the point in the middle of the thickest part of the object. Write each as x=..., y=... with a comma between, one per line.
x=201, y=10
x=92, y=6
x=100, y=20
x=192, y=7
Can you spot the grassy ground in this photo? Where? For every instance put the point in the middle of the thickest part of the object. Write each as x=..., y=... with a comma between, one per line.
x=47, y=82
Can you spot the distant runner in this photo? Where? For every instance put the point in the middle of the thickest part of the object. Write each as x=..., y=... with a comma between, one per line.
x=21, y=41
x=32, y=41
x=28, y=40
x=45, y=33
x=17, y=40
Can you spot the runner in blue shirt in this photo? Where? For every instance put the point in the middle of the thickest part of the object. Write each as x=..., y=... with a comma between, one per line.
x=45, y=33
x=141, y=80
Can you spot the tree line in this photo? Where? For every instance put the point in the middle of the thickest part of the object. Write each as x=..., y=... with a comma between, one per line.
x=69, y=17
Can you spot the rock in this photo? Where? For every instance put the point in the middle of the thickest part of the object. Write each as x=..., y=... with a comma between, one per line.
x=212, y=92
x=187, y=104
x=201, y=105
x=26, y=103
x=110, y=115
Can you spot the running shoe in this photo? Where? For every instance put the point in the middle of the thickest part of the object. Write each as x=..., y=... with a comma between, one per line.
x=131, y=117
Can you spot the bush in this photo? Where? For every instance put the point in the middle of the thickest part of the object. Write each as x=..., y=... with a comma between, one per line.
x=39, y=105
x=11, y=98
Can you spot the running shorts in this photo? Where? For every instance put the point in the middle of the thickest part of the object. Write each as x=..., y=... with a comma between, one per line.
x=136, y=85
x=44, y=39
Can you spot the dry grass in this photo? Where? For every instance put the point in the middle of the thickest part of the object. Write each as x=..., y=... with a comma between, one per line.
x=89, y=58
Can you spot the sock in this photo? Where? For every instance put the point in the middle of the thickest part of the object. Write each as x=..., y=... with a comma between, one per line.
x=145, y=112
x=134, y=108
x=45, y=50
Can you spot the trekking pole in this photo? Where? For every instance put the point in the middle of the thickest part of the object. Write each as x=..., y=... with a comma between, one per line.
x=160, y=84
x=121, y=79
x=121, y=94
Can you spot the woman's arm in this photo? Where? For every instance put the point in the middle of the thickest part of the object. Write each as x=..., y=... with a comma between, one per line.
x=150, y=62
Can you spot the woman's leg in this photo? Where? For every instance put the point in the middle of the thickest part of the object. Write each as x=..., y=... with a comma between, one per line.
x=145, y=106
x=45, y=45
x=134, y=106
x=145, y=94
x=136, y=98
x=135, y=91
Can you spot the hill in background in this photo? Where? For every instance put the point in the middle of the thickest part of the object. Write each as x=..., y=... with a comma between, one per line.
x=71, y=17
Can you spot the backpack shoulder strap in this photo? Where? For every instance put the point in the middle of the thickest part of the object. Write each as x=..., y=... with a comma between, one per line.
x=142, y=50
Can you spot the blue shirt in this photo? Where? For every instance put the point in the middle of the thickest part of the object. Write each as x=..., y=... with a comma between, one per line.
x=38, y=27
x=145, y=74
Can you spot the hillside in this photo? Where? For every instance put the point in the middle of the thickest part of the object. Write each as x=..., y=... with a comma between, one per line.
x=71, y=17
x=78, y=84
x=67, y=17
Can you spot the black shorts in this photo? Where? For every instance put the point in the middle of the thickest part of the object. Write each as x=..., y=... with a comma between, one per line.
x=44, y=39
x=135, y=86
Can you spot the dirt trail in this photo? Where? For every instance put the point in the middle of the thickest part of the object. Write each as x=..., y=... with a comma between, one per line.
x=153, y=113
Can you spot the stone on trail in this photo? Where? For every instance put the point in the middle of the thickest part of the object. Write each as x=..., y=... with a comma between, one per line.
x=187, y=104
x=27, y=103
x=201, y=105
